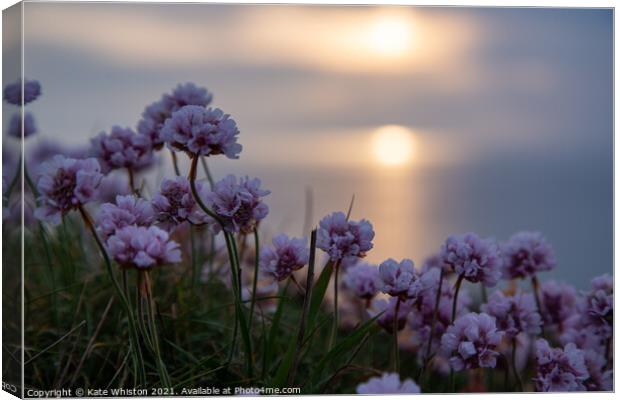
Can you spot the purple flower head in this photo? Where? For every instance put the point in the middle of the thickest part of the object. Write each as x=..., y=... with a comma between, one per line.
x=558, y=302
x=559, y=370
x=597, y=307
x=525, y=254
x=202, y=131
x=66, y=184
x=476, y=259
x=514, y=314
x=341, y=238
x=141, y=247
x=601, y=378
x=155, y=114
x=153, y=118
x=584, y=337
x=122, y=148
x=188, y=94
x=13, y=92
x=175, y=204
x=128, y=210
x=285, y=256
x=15, y=125
x=239, y=206
x=472, y=341
x=363, y=279
x=388, y=383
x=388, y=307
x=402, y=280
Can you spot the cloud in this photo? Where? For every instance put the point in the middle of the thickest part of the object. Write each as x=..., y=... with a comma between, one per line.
x=346, y=39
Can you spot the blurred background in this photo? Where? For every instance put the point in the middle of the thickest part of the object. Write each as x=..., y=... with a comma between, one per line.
x=438, y=120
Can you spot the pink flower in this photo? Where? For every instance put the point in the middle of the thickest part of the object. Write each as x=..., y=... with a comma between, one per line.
x=141, y=247
x=202, y=131
x=402, y=280
x=558, y=303
x=122, y=148
x=476, y=259
x=239, y=206
x=514, y=314
x=472, y=342
x=363, y=279
x=128, y=210
x=174, y=204
x=13, y=92
x=341, y=238
x=65, y=185
x=525, y=254
x=285, y=256
x=157, y=113
x=559, y=370
x=386, y=384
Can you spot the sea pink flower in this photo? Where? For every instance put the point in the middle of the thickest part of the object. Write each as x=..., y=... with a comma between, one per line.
x=514, y=314
x=402, y=280
x=525, y=254
x=386, y=384
x=341, y=238
x=128, y=210
x=141, y=247
x=15, y=125
x=285, y=256
x=239, y=206
x=601, y=377
x=202, y=131
x=363, y=279
x=13, y=92
x=65, y=185
x=597, y=308
x=559, y=370
x=558, y=303
x=157, y=113
x=476, y=259
x=472, y=342
x=122, y=148
x=174, y=204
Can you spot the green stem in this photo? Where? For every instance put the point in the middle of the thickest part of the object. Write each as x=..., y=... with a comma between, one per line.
x=255, y=281
x=459, y=280
x=194, y=262
x=175, y=163
x=334, y=335
x=396, y=359
x=133, y=334
x=304, y=315
x=203, y=160
x=231, y=246
x=427, y=354
x=538, y=302
x=513, y=360
x=132, y=187
x=161, y=366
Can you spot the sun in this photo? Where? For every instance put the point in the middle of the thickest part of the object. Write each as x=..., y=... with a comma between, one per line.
x=393, y=145
x=391, y=36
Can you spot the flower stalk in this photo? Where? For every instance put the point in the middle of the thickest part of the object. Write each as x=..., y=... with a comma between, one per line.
x=133, y=334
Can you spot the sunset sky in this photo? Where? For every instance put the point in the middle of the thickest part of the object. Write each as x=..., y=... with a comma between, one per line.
x=440, y=120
